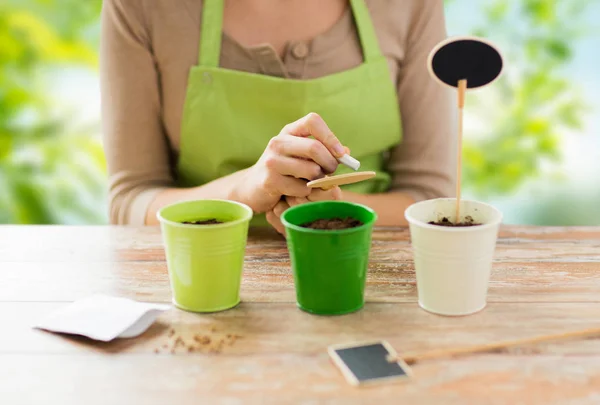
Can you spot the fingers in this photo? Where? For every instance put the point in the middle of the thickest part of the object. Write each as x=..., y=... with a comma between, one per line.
x=274, y=216
x=280, y=208
x=313, y=125
x=298, y=168
x=293, y=201
x=275, y=222
x=286, y=185
x=295, y=147
x=318, y=194
x=334, y=194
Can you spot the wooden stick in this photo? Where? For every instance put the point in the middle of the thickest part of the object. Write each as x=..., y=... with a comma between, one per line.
x=487, y=347
x=462, y=88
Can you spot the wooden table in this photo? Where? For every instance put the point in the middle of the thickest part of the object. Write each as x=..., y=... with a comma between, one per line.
x=545, y=280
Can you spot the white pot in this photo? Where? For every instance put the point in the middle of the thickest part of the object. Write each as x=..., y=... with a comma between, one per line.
x=453, y=265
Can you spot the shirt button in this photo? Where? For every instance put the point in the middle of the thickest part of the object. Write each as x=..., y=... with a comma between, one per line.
x=300, y=50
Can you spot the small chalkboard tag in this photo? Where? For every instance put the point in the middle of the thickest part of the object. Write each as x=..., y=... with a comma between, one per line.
x=473, y=59
x=368, y=363
x=464, y=63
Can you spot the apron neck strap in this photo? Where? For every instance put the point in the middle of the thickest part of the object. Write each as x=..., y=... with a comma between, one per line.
x=366, y=31
x=212, y=28
x=211, y=33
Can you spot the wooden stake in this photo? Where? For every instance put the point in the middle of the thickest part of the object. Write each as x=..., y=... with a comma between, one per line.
x=487, y=347
x=462, y=88
x=328, y=182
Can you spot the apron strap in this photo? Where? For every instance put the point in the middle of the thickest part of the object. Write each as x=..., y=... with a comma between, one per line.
x=212, y=26
x=211, y=33
x=366, y=31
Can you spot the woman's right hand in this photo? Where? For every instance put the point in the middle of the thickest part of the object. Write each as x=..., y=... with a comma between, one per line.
x=290, y=159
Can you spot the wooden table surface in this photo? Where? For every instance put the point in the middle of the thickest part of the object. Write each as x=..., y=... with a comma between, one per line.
x=545, y=280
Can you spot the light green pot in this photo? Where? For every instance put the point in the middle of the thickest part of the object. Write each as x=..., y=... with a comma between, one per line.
x=205, y=262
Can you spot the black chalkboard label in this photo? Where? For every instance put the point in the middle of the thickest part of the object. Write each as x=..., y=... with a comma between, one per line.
x=368, y=362
x=470, y=58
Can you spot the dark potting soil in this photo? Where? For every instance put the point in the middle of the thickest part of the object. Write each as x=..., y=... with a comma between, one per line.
x=333, y=223
x=446, y=222
x=212, y=221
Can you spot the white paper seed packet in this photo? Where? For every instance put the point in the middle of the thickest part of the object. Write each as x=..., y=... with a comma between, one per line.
x=103, y=318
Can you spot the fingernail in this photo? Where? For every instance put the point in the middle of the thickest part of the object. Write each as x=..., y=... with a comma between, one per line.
x=339, y=150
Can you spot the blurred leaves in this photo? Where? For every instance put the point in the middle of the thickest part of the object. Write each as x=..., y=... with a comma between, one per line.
x=534, y=105
x=50, y=172
x=540, y=11
x=37, y=40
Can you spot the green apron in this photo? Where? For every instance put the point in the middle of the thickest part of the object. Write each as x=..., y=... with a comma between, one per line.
x=229, y=116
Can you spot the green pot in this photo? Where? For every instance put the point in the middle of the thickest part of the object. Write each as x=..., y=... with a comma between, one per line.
x=205, y=262
x=330, y=266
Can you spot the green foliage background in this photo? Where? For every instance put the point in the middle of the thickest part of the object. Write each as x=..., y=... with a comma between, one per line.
x=52, y=171
x=534, y=103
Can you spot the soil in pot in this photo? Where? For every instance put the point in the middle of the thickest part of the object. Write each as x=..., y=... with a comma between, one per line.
x=333, y=223
x=211, y=221
x=446, y=222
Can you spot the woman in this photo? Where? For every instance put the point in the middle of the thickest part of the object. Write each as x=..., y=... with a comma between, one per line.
x=247, y=100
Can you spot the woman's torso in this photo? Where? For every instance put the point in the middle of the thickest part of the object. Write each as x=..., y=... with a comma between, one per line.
x=174, y=32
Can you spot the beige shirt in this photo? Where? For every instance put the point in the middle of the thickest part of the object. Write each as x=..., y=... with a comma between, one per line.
x=148, y=47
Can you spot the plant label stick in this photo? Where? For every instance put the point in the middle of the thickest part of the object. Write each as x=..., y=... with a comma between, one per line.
x=487, y=347
x=464, y=63
x=329, y=182
x=462, y=88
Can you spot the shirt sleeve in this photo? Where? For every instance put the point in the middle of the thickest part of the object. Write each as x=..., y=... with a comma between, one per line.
x=423, y=164
x=136, y=147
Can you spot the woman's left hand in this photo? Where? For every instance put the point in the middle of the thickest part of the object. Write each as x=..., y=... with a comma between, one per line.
x=274, y=216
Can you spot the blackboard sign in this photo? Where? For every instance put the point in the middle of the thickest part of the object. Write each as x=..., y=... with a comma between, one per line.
x=369, y=362
x=473, y=59
x=464, y=63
